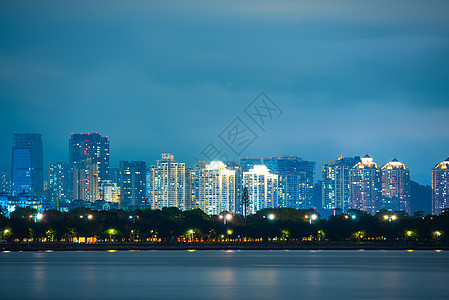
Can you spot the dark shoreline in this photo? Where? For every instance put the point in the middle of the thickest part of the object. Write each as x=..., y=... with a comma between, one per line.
x=214, y=246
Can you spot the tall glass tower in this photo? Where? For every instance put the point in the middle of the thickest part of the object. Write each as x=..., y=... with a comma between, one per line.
x=27, y=173
x=440, y=187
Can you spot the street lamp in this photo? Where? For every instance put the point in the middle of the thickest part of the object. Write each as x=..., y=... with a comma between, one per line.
x=225, y=218
x=229, y=232
x=191, y=231
x=111, y=232
x=437, y=234
x=271, y=217
x=390, y=218
x=312, y=217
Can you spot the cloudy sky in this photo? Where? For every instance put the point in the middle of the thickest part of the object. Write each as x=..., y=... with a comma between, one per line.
x=351, y=76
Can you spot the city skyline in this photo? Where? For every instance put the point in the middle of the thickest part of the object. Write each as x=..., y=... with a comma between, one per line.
x=284, y=137
x=216, y=186
x=424, y=179
x=354, y=78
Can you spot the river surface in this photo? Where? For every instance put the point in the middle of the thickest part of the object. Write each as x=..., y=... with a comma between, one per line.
x=225, y=274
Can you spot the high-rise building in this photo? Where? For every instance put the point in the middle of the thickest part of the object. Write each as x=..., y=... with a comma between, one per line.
x=85, y=181
x=295, y=177
x=109, y=191
x=366, y=186
x=58, y=182
x=395, y=187
x=27, y=173
x=93, y=146
x=114, y=176
x=440, y=187
x=217, y=189
x=262, y=188
x=133, y=183
x=336, y=183
x=5, y=182
x=166, y=183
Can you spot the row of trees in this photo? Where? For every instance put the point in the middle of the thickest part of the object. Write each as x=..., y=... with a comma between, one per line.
x=168, y=224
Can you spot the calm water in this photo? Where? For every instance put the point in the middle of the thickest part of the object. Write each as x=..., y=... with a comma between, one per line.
x=226, y=275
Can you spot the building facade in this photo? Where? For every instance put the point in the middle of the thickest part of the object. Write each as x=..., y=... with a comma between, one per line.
x=58, y=183
x=295, y=177
x=27, y=174
x=86, y=182
x=133, y=184
x=93, y=146
x=395, y=187
x=336, y=183
x=166, y=183
x=262, y=188
x=110, y=191
x=5, y=181
x=365, y=178
x=440, y=187
x=217, y=189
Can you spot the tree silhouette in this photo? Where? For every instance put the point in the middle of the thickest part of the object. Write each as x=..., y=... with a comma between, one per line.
x=245, y=202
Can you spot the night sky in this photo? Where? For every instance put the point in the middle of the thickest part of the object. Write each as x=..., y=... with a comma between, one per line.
x=351, y=77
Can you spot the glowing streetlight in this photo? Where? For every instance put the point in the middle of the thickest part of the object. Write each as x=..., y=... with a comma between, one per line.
x=437, y=234
x=312, y=217
x=390, y=218
x=111, y=232
x=271, y=217
x=90, y=217
x=191, y=232
x=225, y=218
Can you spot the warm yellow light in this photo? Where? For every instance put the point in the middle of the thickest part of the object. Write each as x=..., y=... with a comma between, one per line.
x=228, y=217
x=385, y=217
x=393, y=217
x=90, y=217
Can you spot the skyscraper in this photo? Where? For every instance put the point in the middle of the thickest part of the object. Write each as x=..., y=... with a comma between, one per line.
x=336, y=182
x=93, y=146
x=440, y=187
x=395, y=187
x=5, y=182
x=217, y=189
x=27, y=173
x=262, y=188
x=366, y=186
x=86, y=186
x=58, y=182
x=133, y=183
x=295, y=177
x=166, y=183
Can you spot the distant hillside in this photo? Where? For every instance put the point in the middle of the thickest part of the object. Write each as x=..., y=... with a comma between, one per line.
x=421, y=197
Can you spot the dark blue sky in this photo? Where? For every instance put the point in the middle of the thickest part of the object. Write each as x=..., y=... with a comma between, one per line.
x=352, y=77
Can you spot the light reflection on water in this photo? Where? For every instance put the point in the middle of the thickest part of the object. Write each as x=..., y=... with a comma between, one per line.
x=225, y=274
